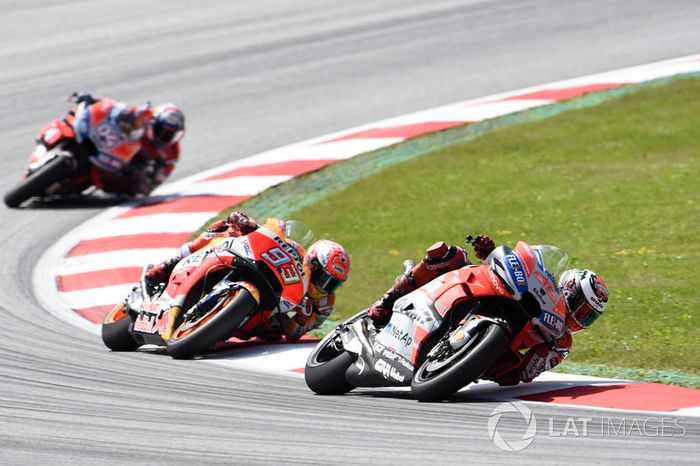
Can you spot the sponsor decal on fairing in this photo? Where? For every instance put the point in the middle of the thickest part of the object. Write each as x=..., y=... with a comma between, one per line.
x=388, y=371
x=551, y=321
x=516, y=271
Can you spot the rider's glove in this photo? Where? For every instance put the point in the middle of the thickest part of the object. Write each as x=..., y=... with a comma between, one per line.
x=300, y=323
x=159, y=175
x=483, y=245
x=86, y=97
x=241, y=223
x=304, y=312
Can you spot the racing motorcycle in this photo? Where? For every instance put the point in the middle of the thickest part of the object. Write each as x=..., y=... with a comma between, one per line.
x=60, y=166
x=449, y=332
x=233, y=287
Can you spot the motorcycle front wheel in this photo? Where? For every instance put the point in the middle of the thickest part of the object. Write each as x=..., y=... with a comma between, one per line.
x=116, y=333
x=443, y=374
x=198, y=334
x=38, y=182
x=326, y=366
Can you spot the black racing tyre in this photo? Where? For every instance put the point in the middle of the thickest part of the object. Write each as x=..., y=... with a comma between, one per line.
x=328, y=377
x=116, y=333
x=325, y=368
x=38, y=182
x=461, y=368
x=198, y=336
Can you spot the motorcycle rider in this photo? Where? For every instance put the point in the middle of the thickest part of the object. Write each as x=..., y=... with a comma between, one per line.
x=326, y=264
x=154, y=135
x=160, y=147
x=584, y=293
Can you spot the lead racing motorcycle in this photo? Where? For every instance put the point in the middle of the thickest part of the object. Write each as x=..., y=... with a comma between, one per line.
x=60, y=166
x=446, y=334
x=236, y=286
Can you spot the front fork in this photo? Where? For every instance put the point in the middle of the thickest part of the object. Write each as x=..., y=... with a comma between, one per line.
x=468, y=329
x=208, y=303
x=217, y=295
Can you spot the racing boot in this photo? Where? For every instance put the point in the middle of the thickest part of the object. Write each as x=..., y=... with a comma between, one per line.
x=380, y=311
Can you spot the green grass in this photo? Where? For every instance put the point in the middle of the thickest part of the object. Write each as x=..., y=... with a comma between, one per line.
x=616, y=185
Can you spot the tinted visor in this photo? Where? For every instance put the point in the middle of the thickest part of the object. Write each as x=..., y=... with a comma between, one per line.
x=166, y=134
x=583, y=313
x=324, y=281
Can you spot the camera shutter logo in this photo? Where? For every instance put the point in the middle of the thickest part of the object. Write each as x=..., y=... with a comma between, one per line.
x=512, y=445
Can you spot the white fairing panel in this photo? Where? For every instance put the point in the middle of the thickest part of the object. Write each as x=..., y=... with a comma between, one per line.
x=239, y=245
x=410, y=312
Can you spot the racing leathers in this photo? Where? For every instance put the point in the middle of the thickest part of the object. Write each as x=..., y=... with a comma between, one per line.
x=510, y=368
x=150, y=163
x=311, y=312
x=149, y=168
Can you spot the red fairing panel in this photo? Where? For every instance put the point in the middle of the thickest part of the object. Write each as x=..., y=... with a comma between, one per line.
x=470, y=281
x=55, y=132
x=527, y=257
x=283, y=259
x=191, y=270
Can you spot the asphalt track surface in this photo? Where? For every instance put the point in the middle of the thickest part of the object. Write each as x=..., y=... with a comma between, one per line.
x=253, y=76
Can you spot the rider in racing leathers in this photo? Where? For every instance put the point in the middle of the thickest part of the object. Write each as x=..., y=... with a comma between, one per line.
x=326, y=264
x=160, y=147
x=156, y=131
x=584, y=292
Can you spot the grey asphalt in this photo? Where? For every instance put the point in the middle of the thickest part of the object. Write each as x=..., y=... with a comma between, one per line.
x=253, y=76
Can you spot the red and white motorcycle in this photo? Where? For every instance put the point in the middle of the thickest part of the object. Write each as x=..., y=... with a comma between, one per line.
x=234, y=287
x=60, y=166
x=450, y=331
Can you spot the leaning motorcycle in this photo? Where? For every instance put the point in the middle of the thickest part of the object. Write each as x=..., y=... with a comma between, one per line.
x=234, y=287
x=60, y=166
x=449, y=332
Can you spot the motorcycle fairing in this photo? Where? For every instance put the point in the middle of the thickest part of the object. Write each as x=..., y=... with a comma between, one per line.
x=48, y=138
x=522, y=270
x=284, y=261
x=152, y=316
x=114, y=151
x=261, y=248
x=54, y=132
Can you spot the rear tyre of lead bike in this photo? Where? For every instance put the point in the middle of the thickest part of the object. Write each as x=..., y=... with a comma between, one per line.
x=326, y=366
x=38, y=182
x=116, y=327
x=198, y=336
x=465, y=367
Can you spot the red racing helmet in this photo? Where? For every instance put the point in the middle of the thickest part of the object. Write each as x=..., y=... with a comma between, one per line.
x=329, y=265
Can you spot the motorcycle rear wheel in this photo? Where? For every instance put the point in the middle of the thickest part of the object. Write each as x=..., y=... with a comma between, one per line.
x=116, y=333
x=326, y=366
x=199, y=335
x=461, y=368
x=37, y=183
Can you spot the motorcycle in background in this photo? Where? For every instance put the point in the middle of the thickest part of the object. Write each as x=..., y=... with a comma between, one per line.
x=60, y=166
